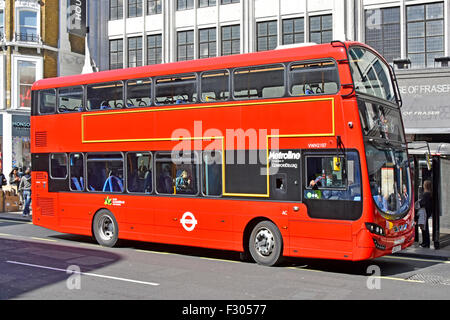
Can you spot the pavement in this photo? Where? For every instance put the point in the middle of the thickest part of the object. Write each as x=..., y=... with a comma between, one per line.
x=415, y=251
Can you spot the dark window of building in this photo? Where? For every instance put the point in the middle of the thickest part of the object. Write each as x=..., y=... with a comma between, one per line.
x=207, y=43
x=229, y=1
x=266, y=35
x=206, y=3
x=105, y=172
x=134, y=8
x=139, y=172
x=135, y=52
x=293, y=31
x=231, y=40
x=383, y=31
x=185, y=45
x=185, y=4
x=115, y=9
x=116, y=54
x=154, y=7
x=425, y=33
x=154, y=49
x=321, y=28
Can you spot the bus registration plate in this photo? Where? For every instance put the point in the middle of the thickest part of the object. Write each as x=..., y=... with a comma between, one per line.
x=396, y=248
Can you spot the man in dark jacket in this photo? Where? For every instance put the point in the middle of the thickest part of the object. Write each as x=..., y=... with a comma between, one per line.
x=25, y=188
x=427, y=203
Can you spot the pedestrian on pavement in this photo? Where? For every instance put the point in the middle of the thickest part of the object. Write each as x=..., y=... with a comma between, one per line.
x=14, y=178
x=427, y=203
x=3, y=180
x=25, y=188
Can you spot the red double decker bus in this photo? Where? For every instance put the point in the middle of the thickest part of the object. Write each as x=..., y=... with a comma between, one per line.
x=295, y=152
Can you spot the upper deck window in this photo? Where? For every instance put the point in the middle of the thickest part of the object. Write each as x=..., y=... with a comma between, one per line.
x=176, y=89
x=102, y=96
x=259, y=82
x=70, y=99
x=370, y=74
x=47, y=101
x=308, y=78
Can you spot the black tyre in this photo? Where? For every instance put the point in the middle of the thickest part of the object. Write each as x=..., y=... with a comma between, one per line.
x=105, y=228
x=266, y=244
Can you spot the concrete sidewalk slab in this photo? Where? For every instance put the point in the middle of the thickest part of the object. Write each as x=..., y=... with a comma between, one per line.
x=16, y=216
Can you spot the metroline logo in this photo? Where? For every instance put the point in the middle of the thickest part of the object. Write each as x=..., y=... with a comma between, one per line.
x=284, y=155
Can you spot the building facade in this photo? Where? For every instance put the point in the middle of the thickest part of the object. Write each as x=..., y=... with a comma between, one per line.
x=34, y=44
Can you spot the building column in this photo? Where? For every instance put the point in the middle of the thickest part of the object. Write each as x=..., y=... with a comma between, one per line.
x=7, y=143
x=339, y=12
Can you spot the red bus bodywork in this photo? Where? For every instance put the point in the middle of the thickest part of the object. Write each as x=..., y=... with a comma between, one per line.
x=224, y=222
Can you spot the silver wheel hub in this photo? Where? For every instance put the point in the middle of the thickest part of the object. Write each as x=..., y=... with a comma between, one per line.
x=106, y=228
x=264, y=242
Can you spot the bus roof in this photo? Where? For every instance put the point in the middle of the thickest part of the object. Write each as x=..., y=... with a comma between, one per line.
x=223, y=62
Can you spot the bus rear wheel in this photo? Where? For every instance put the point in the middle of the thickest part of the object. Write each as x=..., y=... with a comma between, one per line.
x=105, y=228
x=266, y=244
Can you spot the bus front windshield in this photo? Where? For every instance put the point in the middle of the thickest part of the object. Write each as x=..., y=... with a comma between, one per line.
x=389, y=178
x=370, y=74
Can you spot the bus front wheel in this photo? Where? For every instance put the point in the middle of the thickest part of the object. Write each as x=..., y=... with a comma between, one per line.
x=266, y=244
x=105, y=228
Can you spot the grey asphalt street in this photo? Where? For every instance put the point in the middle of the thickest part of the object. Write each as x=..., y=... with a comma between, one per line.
x=37, y=263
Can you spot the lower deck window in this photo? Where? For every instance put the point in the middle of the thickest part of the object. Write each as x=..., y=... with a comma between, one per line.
x=105, y=172
x=139, y=172
x=176, y=174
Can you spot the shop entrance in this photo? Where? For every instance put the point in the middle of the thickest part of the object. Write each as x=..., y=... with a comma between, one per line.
x=431, y=161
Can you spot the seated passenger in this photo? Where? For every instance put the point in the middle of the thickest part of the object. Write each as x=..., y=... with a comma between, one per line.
x=183, y=182
x=105, y=105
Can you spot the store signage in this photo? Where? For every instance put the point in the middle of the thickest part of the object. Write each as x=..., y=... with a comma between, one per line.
x=76, y=17
x=426, y=107
x=20, y=126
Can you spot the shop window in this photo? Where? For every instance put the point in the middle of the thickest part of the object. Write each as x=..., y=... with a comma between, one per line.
x=105, y=172
x=58, y=166
x=139, y=172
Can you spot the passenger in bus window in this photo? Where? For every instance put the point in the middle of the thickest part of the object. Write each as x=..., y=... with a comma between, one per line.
x=165, y=180
x=105, y=105
x=183, y=181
